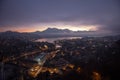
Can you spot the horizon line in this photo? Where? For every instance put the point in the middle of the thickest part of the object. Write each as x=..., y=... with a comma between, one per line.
x=46, y=29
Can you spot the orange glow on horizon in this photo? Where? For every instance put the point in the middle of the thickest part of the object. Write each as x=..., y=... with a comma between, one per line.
x=40, y=28
x=31, y=29
x=25, y=30
x=22, y=29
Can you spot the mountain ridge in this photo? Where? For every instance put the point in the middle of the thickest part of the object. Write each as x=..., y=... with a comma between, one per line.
x=52, y=32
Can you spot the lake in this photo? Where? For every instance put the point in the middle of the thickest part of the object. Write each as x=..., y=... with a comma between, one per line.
x=51, y=40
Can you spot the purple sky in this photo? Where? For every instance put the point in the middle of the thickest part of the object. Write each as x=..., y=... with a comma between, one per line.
x=32, y=15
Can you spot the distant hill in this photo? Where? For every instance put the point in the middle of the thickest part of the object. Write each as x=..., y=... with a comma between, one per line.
x=54, y=32
x=22, y=36
x=51, y=32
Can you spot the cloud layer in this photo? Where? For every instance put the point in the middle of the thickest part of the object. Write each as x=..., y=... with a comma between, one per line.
x=105, y=13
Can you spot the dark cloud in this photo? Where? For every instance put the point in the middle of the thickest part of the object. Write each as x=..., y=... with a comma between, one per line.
x=74, y=12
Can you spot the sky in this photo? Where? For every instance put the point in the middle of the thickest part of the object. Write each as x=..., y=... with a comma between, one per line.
x=38, y=15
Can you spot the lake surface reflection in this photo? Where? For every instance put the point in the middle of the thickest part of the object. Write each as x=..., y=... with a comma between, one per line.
x=51, y=40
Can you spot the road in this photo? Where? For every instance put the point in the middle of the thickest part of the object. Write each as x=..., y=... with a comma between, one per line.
x=36, y=69
x=13, y=58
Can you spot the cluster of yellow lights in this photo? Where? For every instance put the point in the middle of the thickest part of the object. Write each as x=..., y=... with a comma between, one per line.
x=36, y=69
x=96, y=76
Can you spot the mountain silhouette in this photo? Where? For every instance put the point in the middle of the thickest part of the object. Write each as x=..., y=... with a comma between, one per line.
x=55, y=30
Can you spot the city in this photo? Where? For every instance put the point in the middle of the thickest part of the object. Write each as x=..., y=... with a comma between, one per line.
x=59, y=39
x=87, y=58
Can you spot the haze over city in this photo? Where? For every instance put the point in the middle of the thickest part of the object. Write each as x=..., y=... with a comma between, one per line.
x=76, y=15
